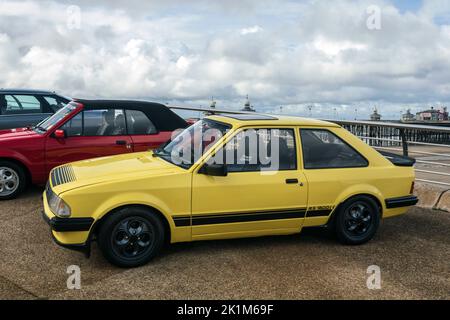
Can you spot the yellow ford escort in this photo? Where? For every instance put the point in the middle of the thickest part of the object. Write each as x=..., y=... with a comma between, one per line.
x=228, y=177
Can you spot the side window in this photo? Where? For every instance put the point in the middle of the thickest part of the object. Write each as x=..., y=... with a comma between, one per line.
x=322, y=149
x=255, y=150
x=54, y=103
x=108, y=122
x=139, y=123
x=74, y=127
x=21, y=104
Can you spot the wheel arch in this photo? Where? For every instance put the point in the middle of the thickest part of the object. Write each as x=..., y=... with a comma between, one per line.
x=22, y=165
x=167, y=228
x=364, y=194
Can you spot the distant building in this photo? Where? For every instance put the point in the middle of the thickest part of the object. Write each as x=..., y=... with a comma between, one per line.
x=211, y=106
x=247, y=106
x=434, y=115
x=375, y=116
x=408, y=116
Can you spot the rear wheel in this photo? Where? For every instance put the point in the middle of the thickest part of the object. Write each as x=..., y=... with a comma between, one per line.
x=131, y=237
x=12, y=180
x=357, y=221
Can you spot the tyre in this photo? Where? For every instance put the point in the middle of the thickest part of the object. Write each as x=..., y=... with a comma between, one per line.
x=131, y=237
x=12, y=180
x=357, y=220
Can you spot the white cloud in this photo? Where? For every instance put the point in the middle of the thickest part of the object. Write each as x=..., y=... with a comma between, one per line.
x=250, y=30
x=286, y=53
x=333, y=48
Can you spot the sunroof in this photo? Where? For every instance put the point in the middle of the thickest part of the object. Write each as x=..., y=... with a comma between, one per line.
x=249, y=117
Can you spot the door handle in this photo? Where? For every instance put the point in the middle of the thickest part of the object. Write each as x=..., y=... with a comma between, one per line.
x=291, y=181
x=121, y=142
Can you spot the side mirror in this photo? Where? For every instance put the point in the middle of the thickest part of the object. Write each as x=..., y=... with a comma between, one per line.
x=60, y=134
x=215, y=170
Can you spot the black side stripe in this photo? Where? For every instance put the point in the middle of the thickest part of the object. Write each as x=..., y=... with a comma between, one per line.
x=182, y=221
x=318, y=213
x=239, y=217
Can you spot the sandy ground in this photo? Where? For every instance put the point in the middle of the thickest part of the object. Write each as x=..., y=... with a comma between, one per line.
x=413, y=252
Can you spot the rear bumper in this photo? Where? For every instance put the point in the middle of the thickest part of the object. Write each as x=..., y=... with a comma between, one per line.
x=401, y=202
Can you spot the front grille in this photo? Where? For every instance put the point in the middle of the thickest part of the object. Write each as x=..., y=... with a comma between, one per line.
x=48, y=191
x=62, y=175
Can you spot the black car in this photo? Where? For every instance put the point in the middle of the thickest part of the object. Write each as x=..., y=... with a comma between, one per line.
x=22, y=108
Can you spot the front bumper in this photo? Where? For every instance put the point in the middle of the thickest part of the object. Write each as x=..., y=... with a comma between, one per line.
x=60, y=226
x=69, y=224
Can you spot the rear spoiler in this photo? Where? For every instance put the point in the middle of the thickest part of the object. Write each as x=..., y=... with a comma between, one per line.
x=398, y=160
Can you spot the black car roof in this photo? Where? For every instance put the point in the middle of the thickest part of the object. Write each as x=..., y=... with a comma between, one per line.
x=114, y=104
x=162, y=117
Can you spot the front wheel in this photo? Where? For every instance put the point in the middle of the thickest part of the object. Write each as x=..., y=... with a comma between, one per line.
x=131, y=237
x=357, y=221
x=12, y=180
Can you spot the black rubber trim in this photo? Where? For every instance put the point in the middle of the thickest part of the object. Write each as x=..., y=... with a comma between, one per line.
x=318, y=213
x=398, y=160
x=182, y=221
x=401, y=202
x=82, y=247
x=69, y=224
x=240, y=217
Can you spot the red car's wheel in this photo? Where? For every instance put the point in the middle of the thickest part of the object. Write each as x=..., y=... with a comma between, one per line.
x=12, y=180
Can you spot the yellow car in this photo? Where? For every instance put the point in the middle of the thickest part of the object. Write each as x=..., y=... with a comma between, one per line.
x=228, y=177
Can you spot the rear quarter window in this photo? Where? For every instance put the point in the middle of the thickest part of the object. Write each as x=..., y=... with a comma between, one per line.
x=139, y=124
x=322, y=149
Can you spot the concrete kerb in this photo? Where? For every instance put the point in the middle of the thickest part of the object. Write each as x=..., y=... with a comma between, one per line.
x=433, y=197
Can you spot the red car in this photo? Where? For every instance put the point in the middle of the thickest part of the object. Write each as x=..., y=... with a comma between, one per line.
x=83, y=129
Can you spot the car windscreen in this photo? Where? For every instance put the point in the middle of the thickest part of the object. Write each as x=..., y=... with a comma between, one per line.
x=192, y=143
x=50, y=122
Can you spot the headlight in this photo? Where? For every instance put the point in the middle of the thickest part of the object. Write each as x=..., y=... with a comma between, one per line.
x=57, y=205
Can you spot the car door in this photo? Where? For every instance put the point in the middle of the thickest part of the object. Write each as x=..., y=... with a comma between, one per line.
x=90, y=134
x=21, y=110
x=331, y=165
x=143, y=132
x=255, y=198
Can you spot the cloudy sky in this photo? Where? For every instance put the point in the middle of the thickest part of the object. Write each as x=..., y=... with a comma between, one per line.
x=337, y=56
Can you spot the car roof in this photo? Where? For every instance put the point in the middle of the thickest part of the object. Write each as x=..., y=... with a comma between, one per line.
x=25, y=91
x=162, y=117
x=115, y=104
x=271, y=120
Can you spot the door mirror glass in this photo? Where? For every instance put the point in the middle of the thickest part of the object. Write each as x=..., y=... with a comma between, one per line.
x=60, y=134
x=215, y=170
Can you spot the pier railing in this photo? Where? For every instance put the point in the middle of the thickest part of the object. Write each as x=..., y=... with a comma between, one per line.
x=400, y=137
x=392, y=136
